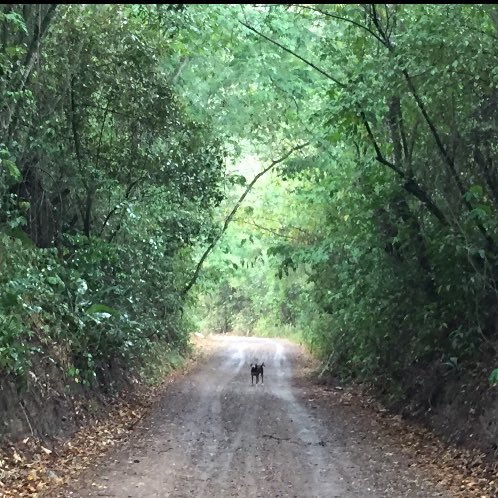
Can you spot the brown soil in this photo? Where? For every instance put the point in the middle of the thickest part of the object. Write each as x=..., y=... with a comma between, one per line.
x=214, y=434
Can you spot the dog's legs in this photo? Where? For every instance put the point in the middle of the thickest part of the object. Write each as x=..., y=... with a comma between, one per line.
x=262, y=380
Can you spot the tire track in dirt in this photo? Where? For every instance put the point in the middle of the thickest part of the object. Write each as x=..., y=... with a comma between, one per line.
x=214, y=434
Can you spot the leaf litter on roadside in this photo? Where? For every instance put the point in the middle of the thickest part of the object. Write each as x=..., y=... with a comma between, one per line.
x=466, y=473
x=30, y=468
x=34, y=467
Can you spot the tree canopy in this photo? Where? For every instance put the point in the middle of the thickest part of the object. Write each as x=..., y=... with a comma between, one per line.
x=321, y=171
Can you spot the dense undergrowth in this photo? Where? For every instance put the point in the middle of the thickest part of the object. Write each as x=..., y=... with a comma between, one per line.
x=106, y=185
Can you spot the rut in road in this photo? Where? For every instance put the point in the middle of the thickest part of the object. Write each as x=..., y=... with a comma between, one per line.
x=214, y=434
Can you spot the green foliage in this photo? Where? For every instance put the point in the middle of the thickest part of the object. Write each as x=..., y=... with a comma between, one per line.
x=388, y=229
x=106, y=186
x=378, y=246
x=493, y=377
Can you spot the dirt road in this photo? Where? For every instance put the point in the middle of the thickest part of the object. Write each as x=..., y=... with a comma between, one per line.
x=214, y=435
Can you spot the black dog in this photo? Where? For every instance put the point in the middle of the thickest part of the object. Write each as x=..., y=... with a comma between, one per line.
x=256, y=371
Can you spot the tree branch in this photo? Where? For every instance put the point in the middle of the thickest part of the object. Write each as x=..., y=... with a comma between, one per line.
x=288, y=50
x=176, y=73
x=29, y=62
x=269, y=230
x=129, y=190
x=450, y=164
x=339, y=18
x=410, y=185
x=232, y=213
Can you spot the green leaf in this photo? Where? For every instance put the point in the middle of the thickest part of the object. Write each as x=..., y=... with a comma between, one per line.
x=54, y=280
x=11, y=168
x=493, y=377
x=102, y=308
